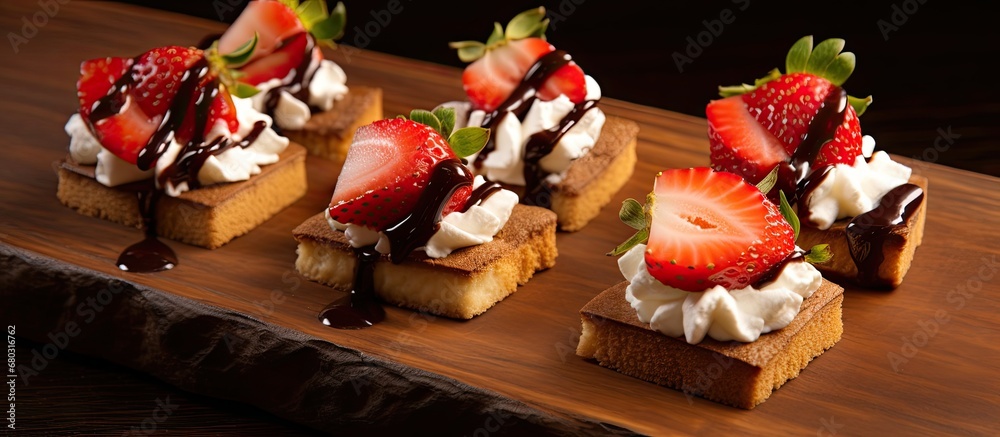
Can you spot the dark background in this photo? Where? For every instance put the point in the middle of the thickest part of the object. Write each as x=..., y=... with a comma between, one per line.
x=928, y=73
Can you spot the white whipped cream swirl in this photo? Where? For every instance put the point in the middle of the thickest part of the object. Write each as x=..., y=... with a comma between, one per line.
x=327, y=86
x=724, y=315
x=233, y=165
x=506, y=162
x=852, y=190
x=477, y=225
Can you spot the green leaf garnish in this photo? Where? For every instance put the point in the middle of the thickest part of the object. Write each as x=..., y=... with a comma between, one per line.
x=638, y=238
x=632, y=214
x=326, y=26
x=242, y=54
x=798, y=55
x=789, y=214
x=736, y=90
x=468, y=140
x=859, y=105
x=243, y=90
x=423, y=116
x=447, y=118
x=527, y=24
x=823, y=55
x=765, y=185
x=819, y=254
x=841, y=68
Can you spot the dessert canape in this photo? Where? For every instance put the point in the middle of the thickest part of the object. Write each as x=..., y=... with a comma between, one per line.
x=549, y=135
x=165, y=121
x=409, y=223
x=305, y=94
x=713, y=278
x=869, y=208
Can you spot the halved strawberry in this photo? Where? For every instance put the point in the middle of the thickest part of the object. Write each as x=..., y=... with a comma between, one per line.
x=711, y=228
x=286, y=57
x=272, y=20
x=499, y=66
x=784, y=106
x=387, y=167
x=96, y=77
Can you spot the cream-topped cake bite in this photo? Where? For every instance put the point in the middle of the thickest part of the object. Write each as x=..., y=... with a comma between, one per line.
x=409, y=224
x=869, y=208
x=713, y=269
x=305, y=93
x=166, y=122
x=549, y=134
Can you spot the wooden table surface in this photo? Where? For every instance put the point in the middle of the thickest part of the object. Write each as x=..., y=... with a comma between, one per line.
x=238, y=323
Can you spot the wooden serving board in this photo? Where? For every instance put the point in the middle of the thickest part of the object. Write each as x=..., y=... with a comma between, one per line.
x=239, y=323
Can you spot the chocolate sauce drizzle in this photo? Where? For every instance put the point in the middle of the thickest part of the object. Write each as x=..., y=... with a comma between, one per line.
x=866, y=233
x=358, y=309
x=537, y=191
x=774, y=272
x=298, y=85
x=150, y=254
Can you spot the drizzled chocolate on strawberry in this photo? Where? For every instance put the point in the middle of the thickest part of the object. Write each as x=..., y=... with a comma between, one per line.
x=399, y=179
x=803, y=123
x=290, y=35
x=507, y=74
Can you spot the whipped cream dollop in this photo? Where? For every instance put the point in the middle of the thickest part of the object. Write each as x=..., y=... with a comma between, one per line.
x=326, y=87
x=233, y=165
x=724, y=315
x=852, y=190
x=477, y=225
x=506, y=162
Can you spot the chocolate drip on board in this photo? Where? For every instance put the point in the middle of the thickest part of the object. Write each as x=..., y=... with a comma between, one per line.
x=150, y=254
x=360, y=308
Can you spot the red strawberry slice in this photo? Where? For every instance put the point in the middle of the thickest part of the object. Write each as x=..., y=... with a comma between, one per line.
x=96, y=77
x=273, y=22
x=711, y=228
x=491, y=79
x=738, y=143
x=387, y=167
x=279, y=63
x=157, y=75
x=846, y=144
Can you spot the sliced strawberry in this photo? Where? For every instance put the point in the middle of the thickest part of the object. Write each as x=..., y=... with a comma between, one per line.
x=387, y=167
x=738, y=143
x=157, y=75
x=786, y=105
x=96, y=78
x=490, y=80
x=846, y=144
x=279, y=63
x=712, y=228
x=273, y=22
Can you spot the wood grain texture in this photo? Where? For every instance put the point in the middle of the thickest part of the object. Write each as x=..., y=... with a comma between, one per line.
x=239, y=323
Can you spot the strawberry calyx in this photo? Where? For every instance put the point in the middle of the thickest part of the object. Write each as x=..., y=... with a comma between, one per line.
x=225, y=66
x=528, y=24
x=324, y=25
x=464, y=142
x=827, y=60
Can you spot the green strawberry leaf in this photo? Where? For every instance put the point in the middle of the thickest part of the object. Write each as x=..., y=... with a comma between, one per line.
x=243, y=90
x=823, y=55
x=527, y=24
x=841, y=68
x=736, y=90
x=496, y=36
x=424, y=116
x=859, y=105
x=468, y=140
x=632, y=214
x=469, y=51
x=765, y=185
x=819, y=254
x=790, y=216
x=447, y=118
x=639, y=237
x=311, y=11
x=332, y=27
x=242, y=54
x=798, y=55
